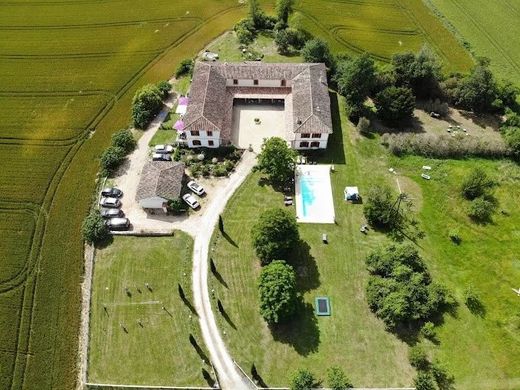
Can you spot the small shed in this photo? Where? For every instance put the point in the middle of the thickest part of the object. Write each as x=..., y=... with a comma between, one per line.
x=352, y=194
x=160, y=181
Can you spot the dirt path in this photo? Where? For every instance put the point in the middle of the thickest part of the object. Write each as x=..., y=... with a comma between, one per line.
x=230, y=376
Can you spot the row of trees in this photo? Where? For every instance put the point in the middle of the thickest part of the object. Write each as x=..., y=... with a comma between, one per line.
x=123, y=143
x=147, y=103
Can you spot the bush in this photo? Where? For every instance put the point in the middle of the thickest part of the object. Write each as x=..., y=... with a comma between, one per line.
x=274, y=235
x=472, y=299
x=424, y=381
x=185, y=68
x=283, y=10
x=512, y=138
x=379, y=208
x=220, y=170
x=395, y=104
x=428, y=331
x=277, y=160
x=164, y=88
x=297, y=38
x=475, y=184
x=277, y=290
x=363, y=126
x=302, y=380
x=146, y=104
x=177, y=206
x=443, y=378
x=245, y=30
x=481, y=209
x=94, y=228
x=125, y=140
x=281, y=38
x=337, y=379
x=444, y=146
x=111, y=159
x=455, y=236
x=418, y=358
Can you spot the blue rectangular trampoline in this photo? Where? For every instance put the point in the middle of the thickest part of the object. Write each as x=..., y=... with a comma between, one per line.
x=322, y=306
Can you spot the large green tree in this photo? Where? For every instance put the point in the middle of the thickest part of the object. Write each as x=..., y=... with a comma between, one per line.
x=283, y=10
x=274, y=235
x=395, y=104
x=317, y=50
x=478, y=91
x=146, y=104
x=94, y=229
x=277, y=288
x=277, y=160
x=124, y=139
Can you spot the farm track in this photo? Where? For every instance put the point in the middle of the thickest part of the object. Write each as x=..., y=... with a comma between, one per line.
x=27, y=278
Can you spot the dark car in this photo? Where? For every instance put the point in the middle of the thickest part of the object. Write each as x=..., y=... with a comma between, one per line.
x=118, y=223
x=112, y=192
x=112, y=213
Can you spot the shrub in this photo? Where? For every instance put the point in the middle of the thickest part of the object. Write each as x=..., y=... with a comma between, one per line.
x=472, y=299
x=475, y=184
x=176, y=206
x=418, y=358
x=481, y=209
x=205, y=170
x=164, y=88
x=424, y=381
x=302, y=380
x=316, y=50
x=245, y=30
x=443, y=378
x=337, y=379
x=185, y=68
x=196, y=169
x=147, y=103
x=277, y=160
x=220, y=170
x=125, y=140
x=395, y=104
x=512, y=138
x=283, y=10
x=455, y=236
x=297, y=38
x=94, y=228
x=274, y=235
x=277, y=290
x=281, y=38
x=363, y=126
x=379, y=207
x=110, y=159
x=428, y=331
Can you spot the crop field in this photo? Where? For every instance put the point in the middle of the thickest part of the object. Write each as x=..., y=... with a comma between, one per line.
x=491, y=28
x=381, y=27
x=68, y=71
x=480, y=350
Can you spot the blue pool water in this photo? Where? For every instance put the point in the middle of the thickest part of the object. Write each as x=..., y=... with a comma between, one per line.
x=309, y=185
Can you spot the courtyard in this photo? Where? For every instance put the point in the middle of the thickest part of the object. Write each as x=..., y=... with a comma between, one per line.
x=248, y=132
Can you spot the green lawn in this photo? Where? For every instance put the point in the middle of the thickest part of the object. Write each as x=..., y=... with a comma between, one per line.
x=158, y=352
x=479, y=351
x=488, y=27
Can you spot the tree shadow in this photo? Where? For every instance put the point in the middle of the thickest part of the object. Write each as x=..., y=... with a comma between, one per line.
x=224, y=314
x=302, y=332
x=208, y=378
x=217, y=274
x=308, y=275
x=229, y=239
x=185, y=300
x=476, y=307
x=198, y=349
x=104, y=243
x=257, y=378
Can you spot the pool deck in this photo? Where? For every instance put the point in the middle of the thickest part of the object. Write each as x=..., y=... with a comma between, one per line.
x=313, y=189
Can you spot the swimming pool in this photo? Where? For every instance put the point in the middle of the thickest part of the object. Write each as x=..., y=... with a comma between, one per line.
x=314, y=202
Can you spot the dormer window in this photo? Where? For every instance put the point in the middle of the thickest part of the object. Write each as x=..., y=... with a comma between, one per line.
x=235, y=82
x=283, y=83
x=255, y=82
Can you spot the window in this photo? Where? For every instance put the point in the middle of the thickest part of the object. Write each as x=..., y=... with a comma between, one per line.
x=304, y=144
x=195, y=133
x=211, y=143
x=255, y=82
x=196, y=142
x=282, y=83
x=209, y=133
x=315, y=144
x=306, y=135
x=316, y=135
x=235, y=82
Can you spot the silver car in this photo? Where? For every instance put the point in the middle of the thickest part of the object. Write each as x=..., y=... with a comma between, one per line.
x=118, y=223
x=191, y=201
x=163, y=149
x=196, y=188
x=112, y=203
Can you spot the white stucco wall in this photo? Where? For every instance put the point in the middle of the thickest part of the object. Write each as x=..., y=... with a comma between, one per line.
x=261, y=83
x=323, y=140
x=155, y=202
x=204, y=139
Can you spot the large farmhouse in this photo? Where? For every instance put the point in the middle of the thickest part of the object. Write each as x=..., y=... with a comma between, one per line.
x=301, y=89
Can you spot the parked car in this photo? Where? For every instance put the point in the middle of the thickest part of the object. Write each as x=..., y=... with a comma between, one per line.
x=110, y=202
x=118, y=223
x=190, y=201
x=161, y=157
x=163, y=148
x=112, y=192
x=196, y=188
x=112, y=213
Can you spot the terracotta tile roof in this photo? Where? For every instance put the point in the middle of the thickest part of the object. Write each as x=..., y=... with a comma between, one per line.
x=160, y=178
x=211, y=102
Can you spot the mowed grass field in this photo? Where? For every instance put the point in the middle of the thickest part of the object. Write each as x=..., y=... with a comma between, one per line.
x=157, y=350
x=381, y=27
x=492, y=29
x=479, y=351
x=68, y=71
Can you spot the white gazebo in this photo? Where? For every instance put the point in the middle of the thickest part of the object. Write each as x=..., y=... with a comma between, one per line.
x=352, y=194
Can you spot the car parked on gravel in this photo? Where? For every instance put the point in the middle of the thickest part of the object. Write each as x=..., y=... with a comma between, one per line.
x=196, y=188
x=190, y=201
x=112, y=213
x=112, y=192
x=163, y=148
x=112, y=203
x=161, y=157
x=118, y=223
